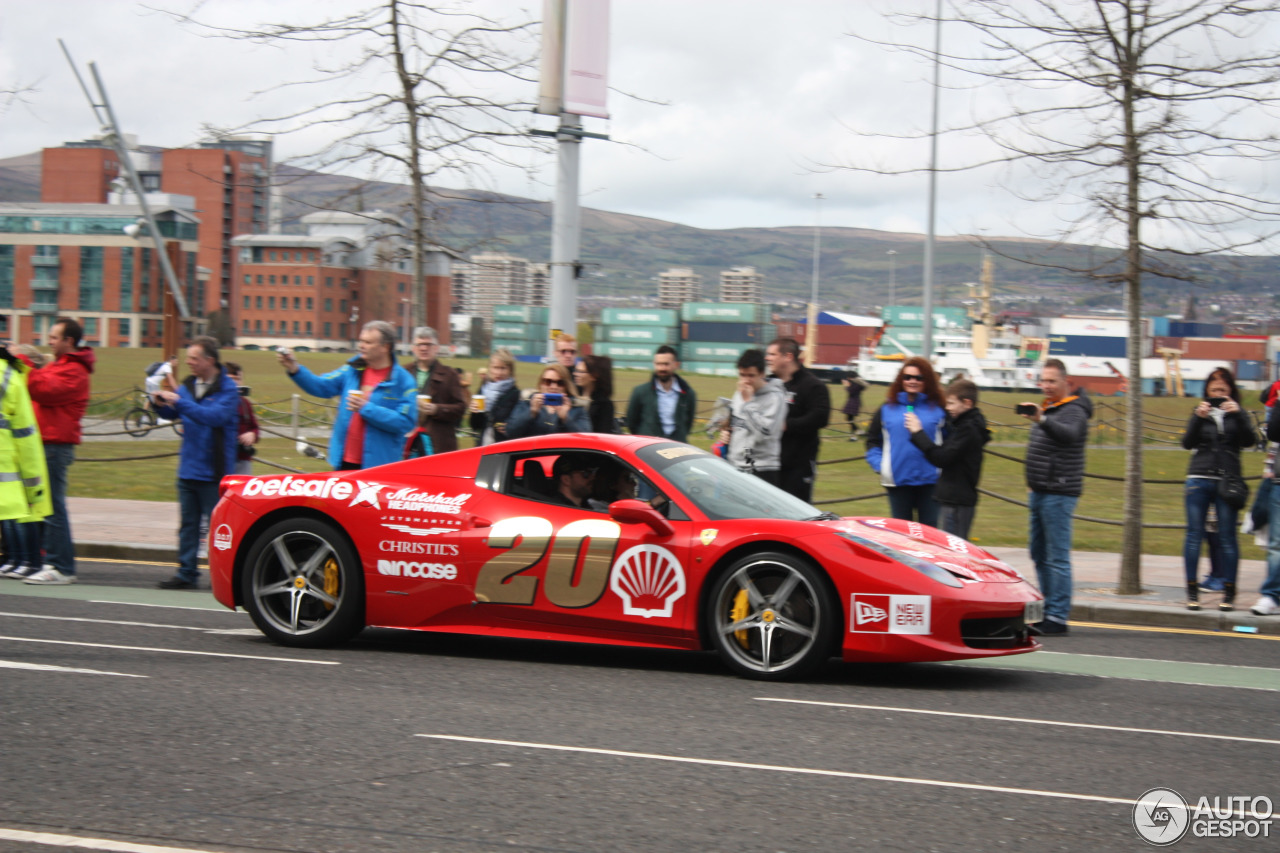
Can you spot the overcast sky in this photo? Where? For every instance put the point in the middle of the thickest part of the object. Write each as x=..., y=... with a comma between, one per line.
x=757, y=94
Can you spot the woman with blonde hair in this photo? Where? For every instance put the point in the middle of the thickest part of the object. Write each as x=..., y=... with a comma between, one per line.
x=904, y=471
x=500, y=396
x=551, y=408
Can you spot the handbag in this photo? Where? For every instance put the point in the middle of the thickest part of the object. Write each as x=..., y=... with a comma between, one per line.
x=1232, y=488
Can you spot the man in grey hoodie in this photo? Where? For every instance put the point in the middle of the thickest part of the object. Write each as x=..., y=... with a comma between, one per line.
x=757, y=416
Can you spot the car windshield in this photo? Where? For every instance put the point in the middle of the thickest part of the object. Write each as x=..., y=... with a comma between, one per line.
x=719, y=490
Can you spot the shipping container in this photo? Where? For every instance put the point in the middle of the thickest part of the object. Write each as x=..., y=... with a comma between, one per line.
x=724, y=312
x=788, y=329
x=846, y=335
x=520, y=347
x=709, y=368
x=639, y=334
x=1117, y=328
x=1165, y=342
x=913, y=316
x=1159, y=327
x=711, y=351
x=1100, y=386
x=1092, y=345
x=1195, y=330
x=729, y=333
x=639, y=317
x=835, y=318
x=1250, y=370
x=645, y=366
x=520, y=331
x=521, y=314
x=835, y=354
x=627, y=352
x=1224, y=349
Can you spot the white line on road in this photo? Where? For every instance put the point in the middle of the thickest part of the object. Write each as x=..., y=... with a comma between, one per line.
x=170, y=651
x=171, y=607
x=1018, y=720
x=53, y=840
x=115, y=622
x=777, y=768
x=13, y=664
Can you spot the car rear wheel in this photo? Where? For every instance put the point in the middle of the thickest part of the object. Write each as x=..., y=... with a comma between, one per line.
x=772, y=616
x=303, y=585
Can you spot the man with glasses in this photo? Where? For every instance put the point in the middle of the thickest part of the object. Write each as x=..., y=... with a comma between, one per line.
x=808, y=412
x=574, y=475
x=1055, y=479
x=665, y=405
x=440, y=401
x=551, y=408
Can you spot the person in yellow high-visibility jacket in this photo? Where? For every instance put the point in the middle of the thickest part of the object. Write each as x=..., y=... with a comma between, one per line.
x=24, y=477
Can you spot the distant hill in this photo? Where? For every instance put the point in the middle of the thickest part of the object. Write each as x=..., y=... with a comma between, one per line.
x=624, y=253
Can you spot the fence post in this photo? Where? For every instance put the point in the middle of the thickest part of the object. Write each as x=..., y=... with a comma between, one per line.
x=295, y=416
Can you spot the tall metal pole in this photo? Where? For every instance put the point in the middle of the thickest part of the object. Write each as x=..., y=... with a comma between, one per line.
x=927, y=344
x=811, y=324
x=565, y=230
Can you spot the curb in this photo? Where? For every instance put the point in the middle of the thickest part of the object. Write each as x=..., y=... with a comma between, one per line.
x=1148, y=615
x=127, y=551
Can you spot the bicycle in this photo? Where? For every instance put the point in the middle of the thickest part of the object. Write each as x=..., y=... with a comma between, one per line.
x=142, y=419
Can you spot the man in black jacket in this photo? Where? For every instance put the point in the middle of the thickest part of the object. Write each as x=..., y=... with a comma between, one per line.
x=808, y=411
x=1055, y=478
x=959, y=456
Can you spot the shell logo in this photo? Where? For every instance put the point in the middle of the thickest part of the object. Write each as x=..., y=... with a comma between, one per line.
x=649, y=580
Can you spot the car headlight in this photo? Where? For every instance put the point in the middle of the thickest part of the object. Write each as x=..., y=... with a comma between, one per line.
x=922, y=566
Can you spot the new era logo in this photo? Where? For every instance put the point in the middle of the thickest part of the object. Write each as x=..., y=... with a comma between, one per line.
x=864, y=613
x=890, y=614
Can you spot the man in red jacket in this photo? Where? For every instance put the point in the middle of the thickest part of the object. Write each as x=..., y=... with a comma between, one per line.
x=60, y=394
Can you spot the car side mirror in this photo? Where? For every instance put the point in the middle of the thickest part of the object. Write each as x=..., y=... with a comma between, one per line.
x=639, y=512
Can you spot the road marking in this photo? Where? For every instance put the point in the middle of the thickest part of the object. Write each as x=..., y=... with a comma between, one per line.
x=170, y=651
x=120, y=622
x=1017, y=720
x=202, y=600
x=218, y=609
x=13, y=664
x=1194, y=631
x=1136, y=669
x=53, y=840
x=777, y=768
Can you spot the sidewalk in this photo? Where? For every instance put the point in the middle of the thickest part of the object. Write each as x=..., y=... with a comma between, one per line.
x=148, y=530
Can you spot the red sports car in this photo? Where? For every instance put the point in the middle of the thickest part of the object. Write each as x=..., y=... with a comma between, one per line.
x=628, y=540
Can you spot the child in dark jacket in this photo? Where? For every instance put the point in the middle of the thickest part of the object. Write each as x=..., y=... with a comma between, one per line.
x=959, y=456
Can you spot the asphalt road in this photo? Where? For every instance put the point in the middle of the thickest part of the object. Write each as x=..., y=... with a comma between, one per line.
x=149, y=718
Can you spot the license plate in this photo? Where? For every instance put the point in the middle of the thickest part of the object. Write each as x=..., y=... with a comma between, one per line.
x=1033, y=612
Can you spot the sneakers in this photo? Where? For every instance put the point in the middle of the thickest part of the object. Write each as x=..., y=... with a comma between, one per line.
x=1266, y=606
x=21, y=571
x=1213, y=583
x=1048, y=626
x=177, y=583
x=49, y=576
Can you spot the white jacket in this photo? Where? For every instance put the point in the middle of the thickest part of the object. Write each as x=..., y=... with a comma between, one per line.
x=755, y=437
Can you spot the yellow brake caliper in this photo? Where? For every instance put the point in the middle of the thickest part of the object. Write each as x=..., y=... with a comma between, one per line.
x=330, y=581
x=738, y=613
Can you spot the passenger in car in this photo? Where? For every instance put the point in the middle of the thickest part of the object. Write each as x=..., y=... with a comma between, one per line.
x=613, y=483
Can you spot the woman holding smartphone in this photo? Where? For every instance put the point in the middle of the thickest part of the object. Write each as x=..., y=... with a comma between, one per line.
x=1216, y=431
x=904, y=471
x=551, y=408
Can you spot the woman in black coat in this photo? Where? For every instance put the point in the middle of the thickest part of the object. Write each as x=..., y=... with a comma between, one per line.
x=593, y=374
x=500, y=396
x=1216, y=432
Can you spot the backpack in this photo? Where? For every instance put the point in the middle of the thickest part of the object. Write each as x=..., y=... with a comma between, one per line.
x=153, y=367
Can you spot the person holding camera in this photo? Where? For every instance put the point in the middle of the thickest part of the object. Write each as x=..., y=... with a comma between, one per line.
x=1055, y=480
x=248, y=430
x=1216, y=432
x=551, y=408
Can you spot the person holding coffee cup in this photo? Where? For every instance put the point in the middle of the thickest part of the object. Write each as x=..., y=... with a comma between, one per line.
x=551, y=408
x=377, y=397
x=441, y=400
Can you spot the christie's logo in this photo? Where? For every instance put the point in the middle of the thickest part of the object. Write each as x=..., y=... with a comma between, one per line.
x=403, y=569
x=439, y=502
x=290, y=486
x=889, y=614
x=434, y=549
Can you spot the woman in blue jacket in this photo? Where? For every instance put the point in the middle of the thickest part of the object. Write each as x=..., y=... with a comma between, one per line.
x=904, y=471
x=551, y=408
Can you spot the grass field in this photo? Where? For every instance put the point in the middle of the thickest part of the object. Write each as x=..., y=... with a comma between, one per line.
x=997, y=523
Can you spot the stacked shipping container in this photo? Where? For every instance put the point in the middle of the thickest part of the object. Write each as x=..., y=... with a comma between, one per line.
x=522, y=329
x=630, y=336
x=714, y=334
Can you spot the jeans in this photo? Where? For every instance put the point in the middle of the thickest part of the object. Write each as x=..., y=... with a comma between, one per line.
x=1051, y=550
x=956, y=519
x=798, y=480
x=1198, y=494
x=196, y=499
x=904, y=499
x=22, y=542
x=59, y=551
x=1271, y=586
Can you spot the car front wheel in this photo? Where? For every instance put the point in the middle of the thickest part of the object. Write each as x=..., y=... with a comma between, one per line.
x=303, y=585
x=772, y=616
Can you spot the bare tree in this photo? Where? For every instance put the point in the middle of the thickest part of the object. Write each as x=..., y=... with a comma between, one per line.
x=1148, y=124
x=425, y=92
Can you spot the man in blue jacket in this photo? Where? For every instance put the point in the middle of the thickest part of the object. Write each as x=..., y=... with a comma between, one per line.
x=377, y=400
x=208, y=404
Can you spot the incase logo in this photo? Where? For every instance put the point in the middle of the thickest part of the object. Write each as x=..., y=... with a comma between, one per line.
x=889, y=614
x=290, y=486
x=402, y=569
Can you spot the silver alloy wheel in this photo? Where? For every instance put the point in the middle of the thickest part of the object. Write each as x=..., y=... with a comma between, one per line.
x=297, y=582
x=783, y=618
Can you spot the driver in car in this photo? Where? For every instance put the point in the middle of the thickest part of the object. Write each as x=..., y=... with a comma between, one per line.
x=573, y=475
